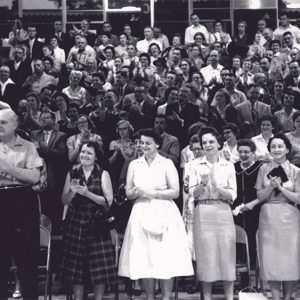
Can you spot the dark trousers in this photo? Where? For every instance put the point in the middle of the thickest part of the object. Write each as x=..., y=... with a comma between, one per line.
x=19, y=236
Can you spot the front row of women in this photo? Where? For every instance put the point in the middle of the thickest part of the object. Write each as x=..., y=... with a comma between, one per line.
x=155, y=244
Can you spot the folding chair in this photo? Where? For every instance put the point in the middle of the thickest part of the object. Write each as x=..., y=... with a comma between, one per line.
x=258, y=280
x=45, y=250
x=45, y=247
x=241, y=238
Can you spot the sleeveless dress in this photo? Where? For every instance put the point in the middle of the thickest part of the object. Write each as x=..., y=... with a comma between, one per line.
x=279, y=228
x=155, y=242
x=86, y=259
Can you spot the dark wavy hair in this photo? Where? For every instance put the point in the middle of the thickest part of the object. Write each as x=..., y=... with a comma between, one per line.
x=150, y=132
x=213, y=132
x=282, y=137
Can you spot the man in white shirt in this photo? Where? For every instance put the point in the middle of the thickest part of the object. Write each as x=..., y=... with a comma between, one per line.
x=8, y=90
x=143, y=45
x=284, y=27
x=194, y=28
x=211, y=73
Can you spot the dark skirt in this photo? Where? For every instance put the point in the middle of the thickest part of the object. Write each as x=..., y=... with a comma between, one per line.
x=86, y=259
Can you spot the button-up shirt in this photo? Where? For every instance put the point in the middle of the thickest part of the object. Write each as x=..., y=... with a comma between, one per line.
x=223, y=173
x=192, y=30
x=285, y=121
x=21, y=154
x=209, y=73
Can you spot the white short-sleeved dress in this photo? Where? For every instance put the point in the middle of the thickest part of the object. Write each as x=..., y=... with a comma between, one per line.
x=155, y=243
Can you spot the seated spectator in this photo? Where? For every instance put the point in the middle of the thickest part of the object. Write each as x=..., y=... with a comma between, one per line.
x=74, y=91
x=162, y=38
x=39, y=79
x=170, y=96
x=86, y=133
x=132, y=59
x=240, y=43
x=130, y=38
x=113, y=39
x=229, y=150
x=32, y=116
x=69, y=124
x=143, y=45
x=220, y=112
x=194, y=28
x=59, y=53
x=211, y=73
x=170, y=145
x=198, y=83
x=256, y=50
x=144, y=71
x=277, y=98
x=154, y=52
x=200, y=41
x=121, y=149
x=246, y=78
x=237, y=66
x=49, y=67
x=17, y=36
x=121, y=49
x=80, y=53
x=185, y=72
x=33, y=43
x=284, y=117
x=250, y=112
x=60, y=103
x=101, y=43
x=9, y=91
x=163, y=85
x=267, y=124
x=20, y=67
x=85, y=32
x=218, y=27
x=294, y=137
x=196, y=57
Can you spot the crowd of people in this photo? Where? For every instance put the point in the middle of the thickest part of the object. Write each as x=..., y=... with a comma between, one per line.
x=186, y=135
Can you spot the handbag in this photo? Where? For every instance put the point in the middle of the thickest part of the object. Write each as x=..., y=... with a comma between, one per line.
x=250, y=294
x=103, y=221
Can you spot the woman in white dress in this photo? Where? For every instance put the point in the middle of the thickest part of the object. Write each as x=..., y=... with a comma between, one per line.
x=155, y=244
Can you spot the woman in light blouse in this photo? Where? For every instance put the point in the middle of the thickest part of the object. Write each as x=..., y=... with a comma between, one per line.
x=279, y=220
x=213, y=186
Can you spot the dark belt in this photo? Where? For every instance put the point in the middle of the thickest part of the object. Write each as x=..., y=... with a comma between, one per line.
x=13, y=187
x=211, y=201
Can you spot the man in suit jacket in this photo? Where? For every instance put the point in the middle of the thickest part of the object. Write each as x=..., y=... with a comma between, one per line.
x=20, y=69
x=182, y=115
x=250, y=112
x=34, y=45
x=122, y=87
x=170, y=146
x=52, y=147
x=143, y=107
x=292, y=82
x=8, y=92
x=63, y=38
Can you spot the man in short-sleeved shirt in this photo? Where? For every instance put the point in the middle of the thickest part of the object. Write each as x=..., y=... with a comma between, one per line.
x=19, y=209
